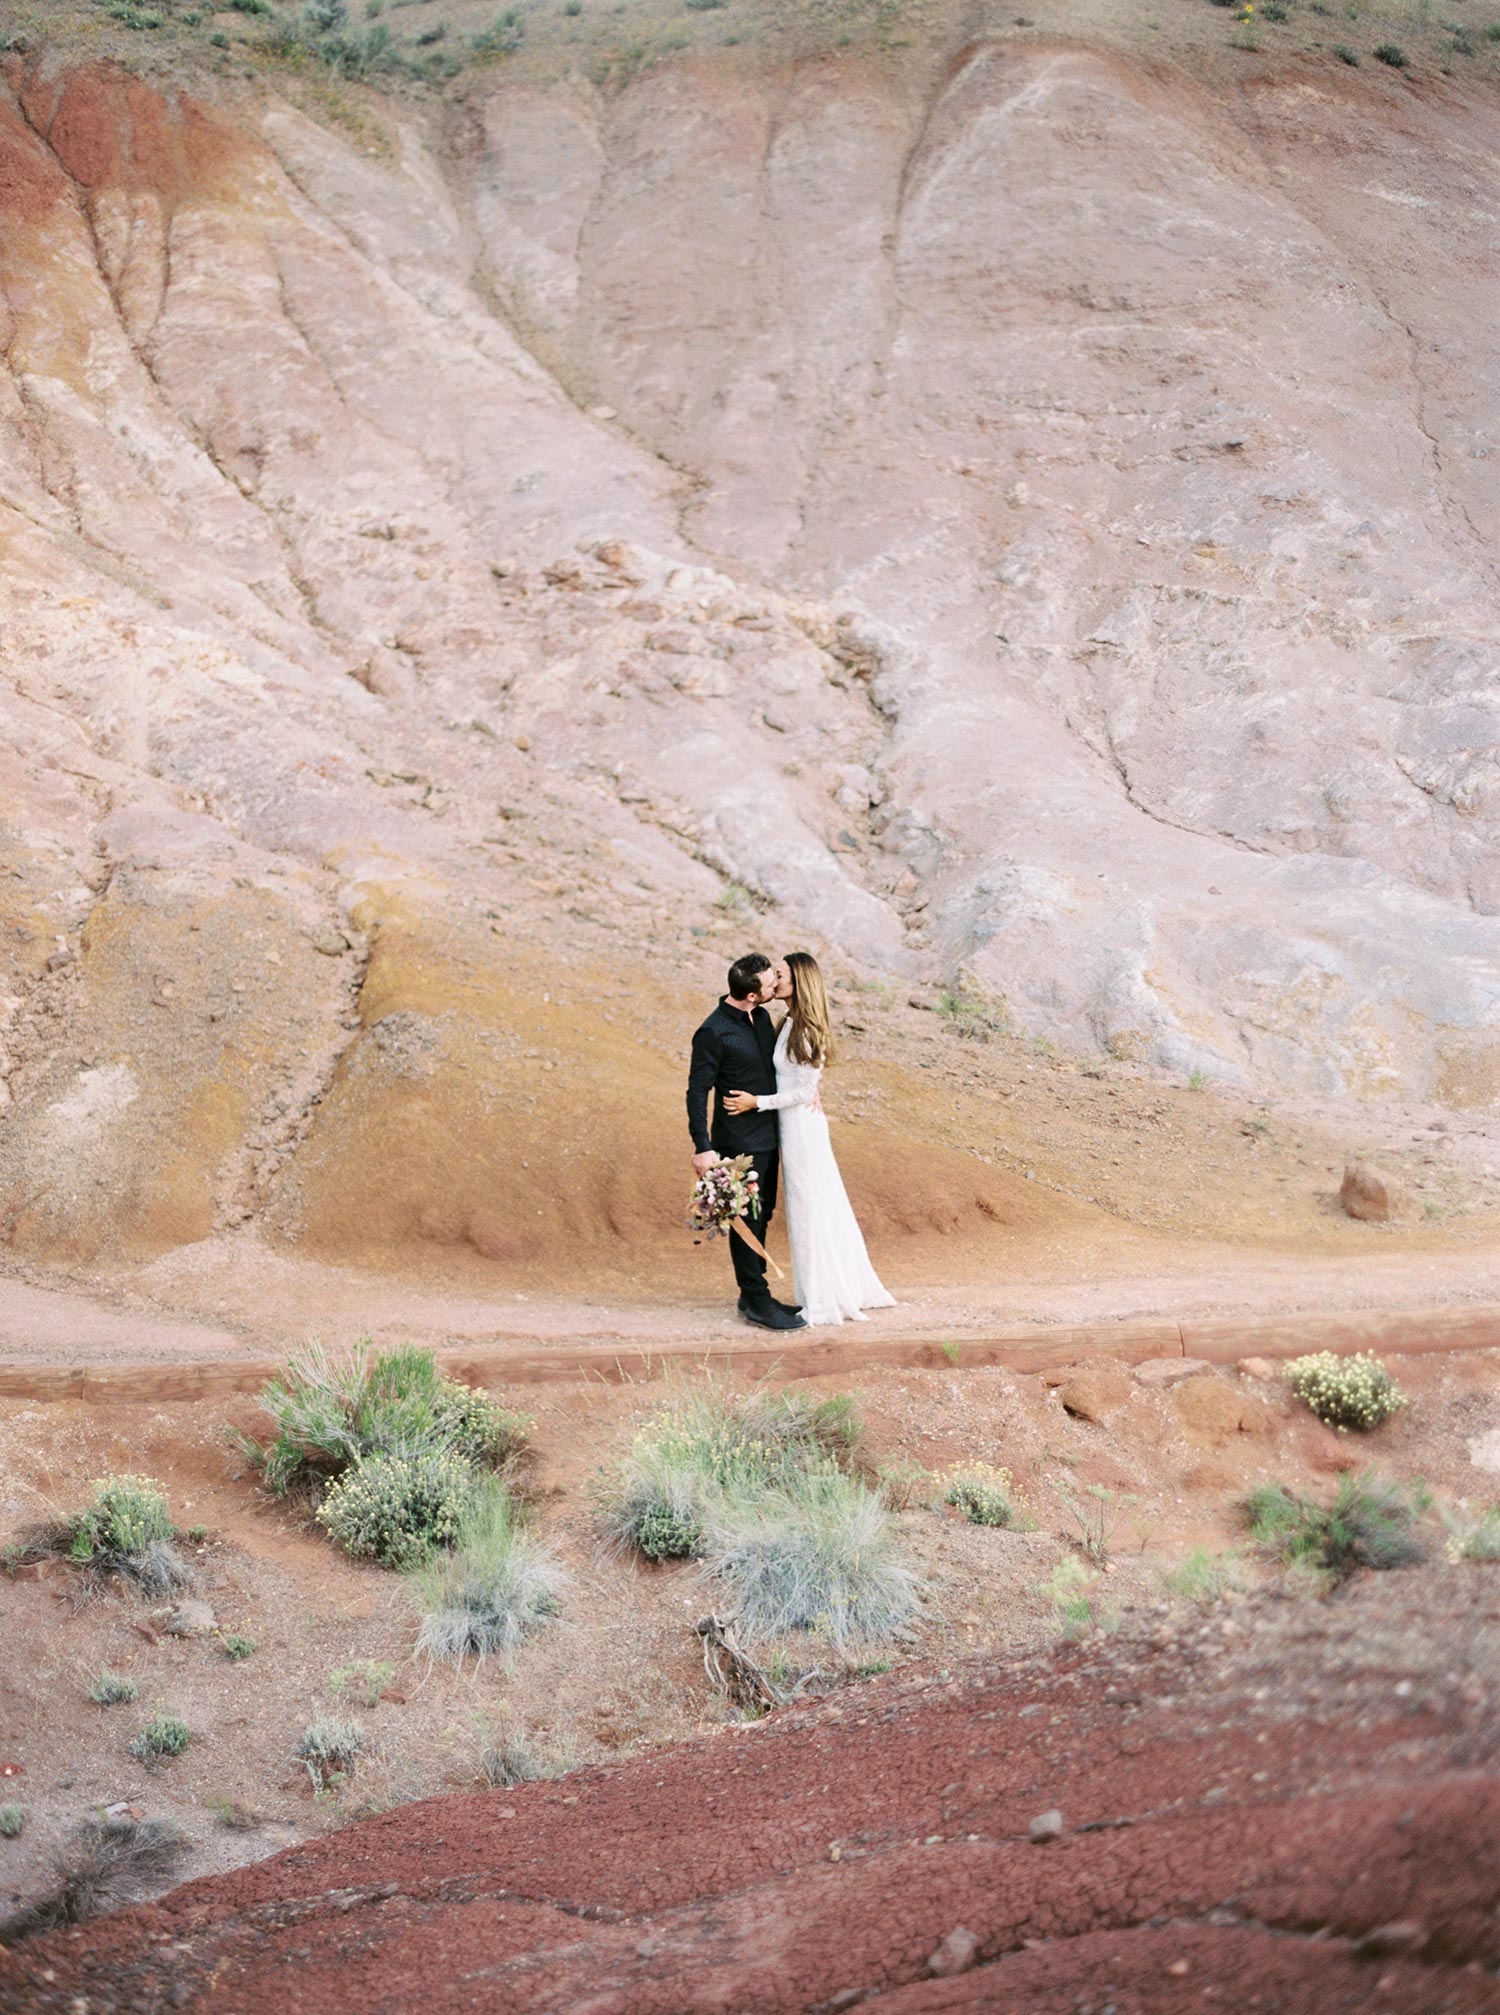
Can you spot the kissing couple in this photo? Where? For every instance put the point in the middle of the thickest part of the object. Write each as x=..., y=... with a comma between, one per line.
x=765, y=1084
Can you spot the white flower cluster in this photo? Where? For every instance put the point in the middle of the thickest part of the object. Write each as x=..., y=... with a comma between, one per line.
x=399, y=1507
x=1346, y=1392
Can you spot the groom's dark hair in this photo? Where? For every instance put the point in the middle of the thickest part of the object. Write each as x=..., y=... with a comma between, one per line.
x=742, y=974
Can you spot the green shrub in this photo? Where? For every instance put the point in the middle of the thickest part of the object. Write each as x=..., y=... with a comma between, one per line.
x=163, y=1736
x=1475, y=1538
x=1391, y=53
x=330, y=1411
x=237, y=1649
x=813, y=1552
x=1346, y=55
x=706, y=1446
x=498, y=1583
x=127, y=1530
x=504, y=35
x=329, y=1748
x=1369, y=1524
x=112, y=1689
x=983, y=1494
x=12, y=1819
x=573, y=7
x=1345, y=1392
x=396, y=1508
x=248, y=6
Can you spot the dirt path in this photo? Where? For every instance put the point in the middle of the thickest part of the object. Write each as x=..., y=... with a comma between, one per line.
x=222, y=1323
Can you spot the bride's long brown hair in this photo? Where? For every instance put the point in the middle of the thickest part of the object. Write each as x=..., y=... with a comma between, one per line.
x=811, y=1039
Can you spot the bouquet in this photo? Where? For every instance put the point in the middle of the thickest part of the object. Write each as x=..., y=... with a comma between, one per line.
x=723, y=1193
x=723, y=1197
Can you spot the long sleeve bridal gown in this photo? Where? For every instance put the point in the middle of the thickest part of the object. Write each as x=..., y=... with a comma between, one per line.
x=835, y=1280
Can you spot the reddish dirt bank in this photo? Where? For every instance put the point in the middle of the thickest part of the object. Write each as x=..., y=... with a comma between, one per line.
x=1293, y=1806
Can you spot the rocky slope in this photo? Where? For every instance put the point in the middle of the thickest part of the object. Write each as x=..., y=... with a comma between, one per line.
x=1294, y=1810
x=1017, y=515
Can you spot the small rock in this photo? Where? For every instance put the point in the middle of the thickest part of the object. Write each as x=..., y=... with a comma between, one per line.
x=1374, y=1197
x=331, y=943
x=1095, y=1395
x=189, y=1618
x=1405, y=1935
x=1211, y=1411
x=1323, y=1450
x=1160, y=1371
x=1258, y=1367
x=601, y=412
x=1046, y=1826
x=1178, y=1968
x=956, y=1954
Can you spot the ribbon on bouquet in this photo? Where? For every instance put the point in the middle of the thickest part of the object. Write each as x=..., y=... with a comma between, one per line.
x=738, y=1224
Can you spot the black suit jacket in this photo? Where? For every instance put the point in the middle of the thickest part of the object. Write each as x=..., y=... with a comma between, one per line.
x=732, y=1051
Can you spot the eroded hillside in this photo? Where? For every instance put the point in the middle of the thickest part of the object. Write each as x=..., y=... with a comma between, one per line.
x=1015, y=515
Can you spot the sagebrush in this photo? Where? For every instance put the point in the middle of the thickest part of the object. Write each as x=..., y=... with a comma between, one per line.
x=103, y=1859
x=497, y=1584
x=816, y=1553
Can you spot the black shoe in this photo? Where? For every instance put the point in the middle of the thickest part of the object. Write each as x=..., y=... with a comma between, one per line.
x=769, y=1314
x=789, y=1307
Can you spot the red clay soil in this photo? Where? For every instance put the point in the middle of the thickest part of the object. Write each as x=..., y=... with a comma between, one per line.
x=1292, y=1807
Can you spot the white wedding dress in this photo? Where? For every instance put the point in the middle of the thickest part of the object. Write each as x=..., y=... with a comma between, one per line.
x=835, y=1280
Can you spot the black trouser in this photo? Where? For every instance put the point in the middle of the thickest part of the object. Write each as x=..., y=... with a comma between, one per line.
x=749, y=1267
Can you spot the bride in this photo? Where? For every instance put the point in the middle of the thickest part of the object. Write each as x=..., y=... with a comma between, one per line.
x=835, y=1280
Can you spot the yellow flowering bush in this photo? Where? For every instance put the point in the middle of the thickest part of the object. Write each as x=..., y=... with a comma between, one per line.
x=1345, y=1392
x=981, y=1492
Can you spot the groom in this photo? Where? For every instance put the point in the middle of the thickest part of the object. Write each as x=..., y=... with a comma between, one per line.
x=732, y=1052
